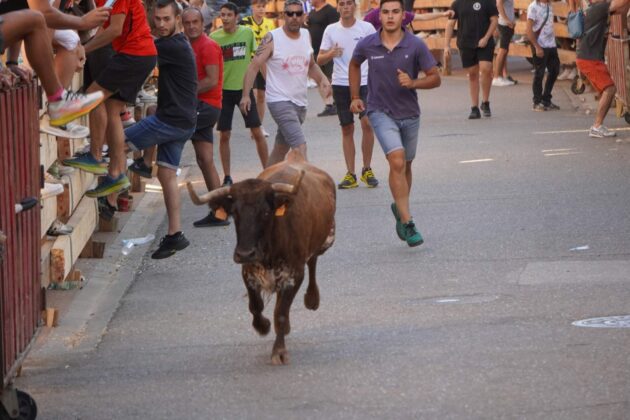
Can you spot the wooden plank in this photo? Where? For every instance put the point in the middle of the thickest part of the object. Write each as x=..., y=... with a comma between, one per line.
x=45, y=263
x=430, y=4
x=67, y=248
x=429, y=25
x=560, y=9
x=48, y=214
x=521, y=4
x=566, y=56
x=78, y=183
x=437, y=43
x=47, y=150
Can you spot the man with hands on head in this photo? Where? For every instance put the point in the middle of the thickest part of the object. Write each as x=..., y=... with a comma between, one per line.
x=395, y=57
x=288, y=54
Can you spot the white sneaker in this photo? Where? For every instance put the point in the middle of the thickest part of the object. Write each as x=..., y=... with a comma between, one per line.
x=265, y=133
x=72, y=106
x=311, y=83
x=69, y=131
x=572, y=74
x=146, y=98
x=501, y=82
x=50, y=190
x=601, y=132
x=563, y=74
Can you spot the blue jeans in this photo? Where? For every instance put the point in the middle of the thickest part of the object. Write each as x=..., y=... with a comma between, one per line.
x=394, y=134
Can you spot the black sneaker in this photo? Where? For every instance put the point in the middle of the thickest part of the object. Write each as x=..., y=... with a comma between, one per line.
x=211, y=220
x=512, y=80
x=105, y=210
x=169, y=245
x=475, y=114
x=328, y=111
x=139, y=167
x=551, y=106
x=485, y=108
x=227, y=181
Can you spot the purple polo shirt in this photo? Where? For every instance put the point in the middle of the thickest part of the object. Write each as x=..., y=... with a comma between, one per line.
x=385, y=94
x=373, y=17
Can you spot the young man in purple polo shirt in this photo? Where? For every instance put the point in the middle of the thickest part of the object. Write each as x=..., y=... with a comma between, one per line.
x=396, y=57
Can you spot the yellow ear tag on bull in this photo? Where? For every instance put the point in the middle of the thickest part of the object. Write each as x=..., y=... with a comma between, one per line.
x=280, y=210
x=220, y=213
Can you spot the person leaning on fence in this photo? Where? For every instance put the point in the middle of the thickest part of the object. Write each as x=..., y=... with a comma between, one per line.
x=542, y=38
x=476, y=22
x=590, y=58
x=29, y=26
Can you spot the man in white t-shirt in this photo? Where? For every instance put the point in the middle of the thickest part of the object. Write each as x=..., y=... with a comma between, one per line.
x=338, y=43
x=544, y=53
x=288, y=54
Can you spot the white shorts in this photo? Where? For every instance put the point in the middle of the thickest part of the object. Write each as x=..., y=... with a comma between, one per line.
x=66, y=38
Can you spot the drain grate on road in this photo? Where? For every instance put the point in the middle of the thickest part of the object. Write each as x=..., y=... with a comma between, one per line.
x=620, y=321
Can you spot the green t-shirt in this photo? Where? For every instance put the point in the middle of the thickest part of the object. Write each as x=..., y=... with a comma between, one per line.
x=237, y=53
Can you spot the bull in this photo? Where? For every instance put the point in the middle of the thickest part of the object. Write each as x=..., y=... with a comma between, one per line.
x=284, y=220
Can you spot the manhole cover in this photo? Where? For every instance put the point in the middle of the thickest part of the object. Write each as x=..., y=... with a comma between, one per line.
x=621, y=321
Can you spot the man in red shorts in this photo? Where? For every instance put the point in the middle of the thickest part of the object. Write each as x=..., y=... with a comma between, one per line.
x=134, y=59
x=590, y=57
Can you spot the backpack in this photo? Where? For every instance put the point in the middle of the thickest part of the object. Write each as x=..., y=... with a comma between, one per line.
x=575, y=24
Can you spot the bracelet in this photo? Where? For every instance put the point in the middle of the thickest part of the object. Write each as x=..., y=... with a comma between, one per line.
x=356, y=97
x=11, y=63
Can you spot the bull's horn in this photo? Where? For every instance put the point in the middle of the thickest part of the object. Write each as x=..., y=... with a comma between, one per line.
x=289, y=188
x=207, y=197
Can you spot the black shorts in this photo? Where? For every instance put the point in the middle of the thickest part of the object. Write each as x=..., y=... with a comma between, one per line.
x=13, y=6
x=472, y=56
x=125, y=74
x=207, y=117
x=231, y=99
x=95, y=62
x=259, y=82
x=505, y=36
x=341, y=96
x=1, y=38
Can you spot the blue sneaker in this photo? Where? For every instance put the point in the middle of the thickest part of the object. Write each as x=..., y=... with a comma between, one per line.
x=400, y=231
x=109, y=186
x=412, y=235
x=88, y=163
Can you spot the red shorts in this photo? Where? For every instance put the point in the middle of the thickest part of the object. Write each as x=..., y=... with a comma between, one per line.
x=596, y=72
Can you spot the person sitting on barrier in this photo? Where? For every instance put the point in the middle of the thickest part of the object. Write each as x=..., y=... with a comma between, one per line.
x=590, y=57
x=29, y=26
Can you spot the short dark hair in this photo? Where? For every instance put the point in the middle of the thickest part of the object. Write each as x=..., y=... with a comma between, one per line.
x=230, y=6
x=195, y=9
x=388, y=1
x=173, y=3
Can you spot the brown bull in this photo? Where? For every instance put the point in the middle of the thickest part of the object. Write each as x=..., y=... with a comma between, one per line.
x=285, y=219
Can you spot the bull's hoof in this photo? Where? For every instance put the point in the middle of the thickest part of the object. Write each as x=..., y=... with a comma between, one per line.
x=311, y=300
x=280, y=357
x=261, y=325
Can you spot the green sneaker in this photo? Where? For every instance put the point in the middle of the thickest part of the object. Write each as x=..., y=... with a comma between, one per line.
x=109, y=186
x=367, y=176
x=348, y=181
x=399, y=226
x=87, y=163
x=412, y=236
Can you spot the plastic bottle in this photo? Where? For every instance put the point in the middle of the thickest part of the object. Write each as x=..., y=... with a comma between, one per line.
x=128, y=244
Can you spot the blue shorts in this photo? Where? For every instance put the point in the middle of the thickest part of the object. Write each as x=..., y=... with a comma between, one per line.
x=170, y=140
x=394, y=134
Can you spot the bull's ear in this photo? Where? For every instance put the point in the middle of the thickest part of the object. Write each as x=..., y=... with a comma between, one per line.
x=282, y=203
x=226, y=203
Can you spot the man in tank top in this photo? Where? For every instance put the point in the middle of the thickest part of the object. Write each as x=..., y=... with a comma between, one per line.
x=288, y=55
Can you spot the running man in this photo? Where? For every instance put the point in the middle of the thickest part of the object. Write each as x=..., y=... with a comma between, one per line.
x=238, y=44
x=288, y=54
x=338, y=44
x=396, y=57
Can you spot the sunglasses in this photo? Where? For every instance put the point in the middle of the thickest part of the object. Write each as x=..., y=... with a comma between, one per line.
x=293, y=14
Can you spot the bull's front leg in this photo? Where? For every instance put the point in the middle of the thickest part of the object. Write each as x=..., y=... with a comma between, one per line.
x=311, y=297
x=256, y=304
x=281, y=321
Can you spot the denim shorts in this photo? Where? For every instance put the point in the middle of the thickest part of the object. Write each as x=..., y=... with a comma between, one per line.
x=394, y=134
x=289, y=118
x=170, y=140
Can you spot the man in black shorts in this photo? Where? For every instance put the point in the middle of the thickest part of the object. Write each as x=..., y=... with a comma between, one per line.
x=476, y=22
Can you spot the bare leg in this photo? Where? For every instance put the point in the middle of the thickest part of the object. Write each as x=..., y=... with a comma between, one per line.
x=367, y=142
x=473, y=84
x=30, y=26
x=66, y=63
x=486, y=79
x=347, y=140
x=278, y=153
x=224, y=151
x=116, y=138
x=168, y=181
x=261, y=145
x=260, y=103
x=398, y=183
x=499, y=61
x=205, y=159
x=604, y=105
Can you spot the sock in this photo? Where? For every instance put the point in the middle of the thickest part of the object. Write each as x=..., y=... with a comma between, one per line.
x=57, y=96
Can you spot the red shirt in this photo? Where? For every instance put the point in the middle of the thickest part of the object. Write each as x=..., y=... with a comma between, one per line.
x=135, y=38
x=208, y=53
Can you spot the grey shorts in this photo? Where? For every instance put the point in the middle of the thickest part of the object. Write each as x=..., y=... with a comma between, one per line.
x=289, y=118
x=395, y=134
x=1, y=38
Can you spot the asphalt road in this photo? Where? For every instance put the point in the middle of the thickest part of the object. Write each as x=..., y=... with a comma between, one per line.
x=474, y=324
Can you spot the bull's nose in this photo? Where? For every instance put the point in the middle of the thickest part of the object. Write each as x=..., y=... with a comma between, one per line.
x=244, y=255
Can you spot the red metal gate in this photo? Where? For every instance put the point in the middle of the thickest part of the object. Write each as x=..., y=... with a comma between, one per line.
x=21, y=294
